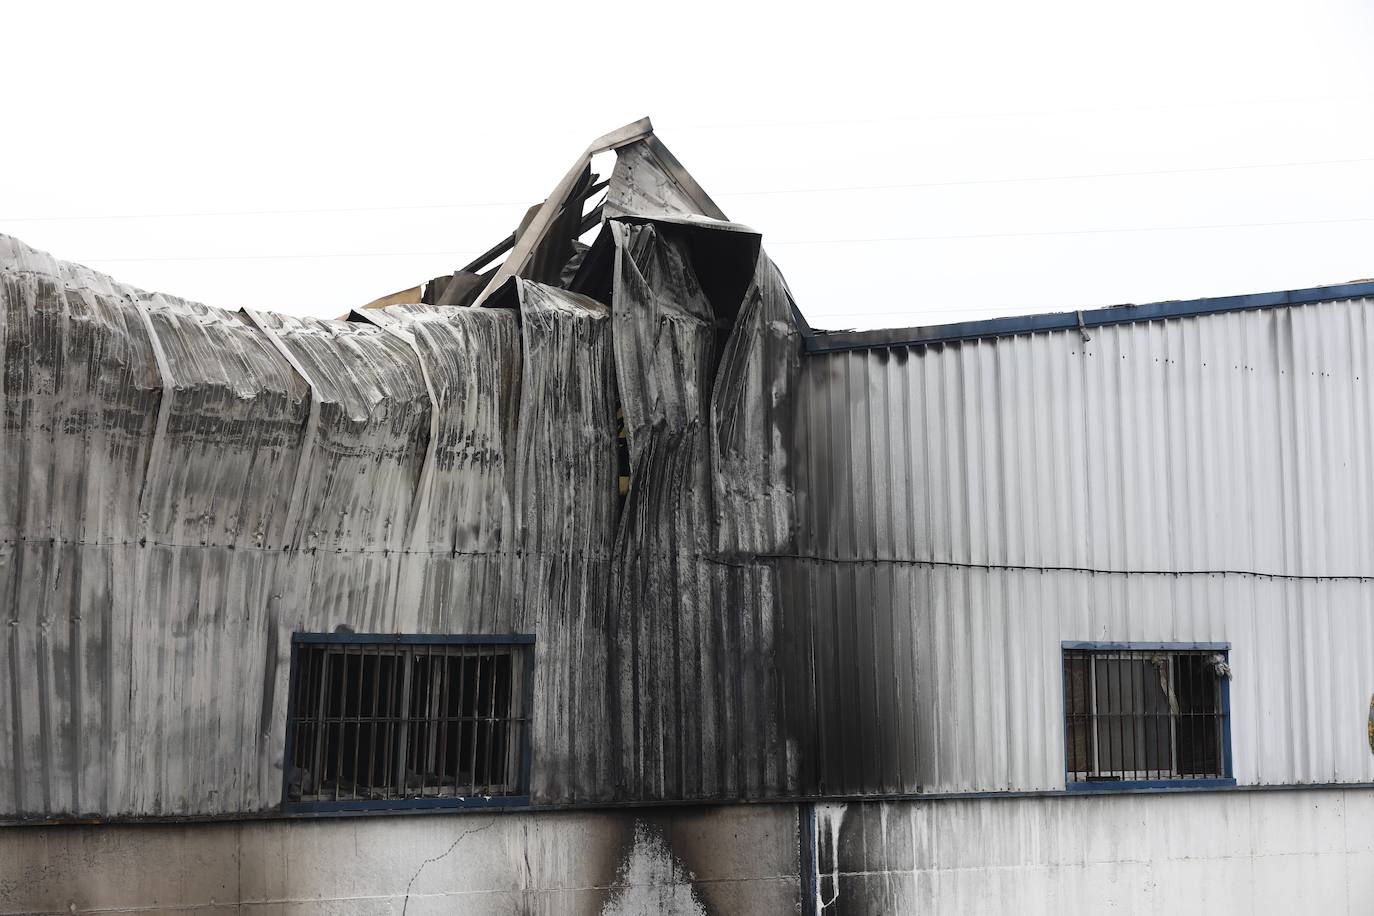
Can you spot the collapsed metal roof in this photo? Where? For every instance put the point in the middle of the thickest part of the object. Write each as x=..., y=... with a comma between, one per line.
x=649, y=183
x=546, y=247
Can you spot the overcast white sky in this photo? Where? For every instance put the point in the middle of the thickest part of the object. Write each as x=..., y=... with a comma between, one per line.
x=907, y=163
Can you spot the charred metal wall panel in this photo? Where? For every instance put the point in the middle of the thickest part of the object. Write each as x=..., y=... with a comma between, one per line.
x=186, y=486
x=668, y=718
x=423, y=470
x=80, y=388
x=464, y=522
x=706, y=372
x=565, y=494
x=833, y=574
x=1196, y=479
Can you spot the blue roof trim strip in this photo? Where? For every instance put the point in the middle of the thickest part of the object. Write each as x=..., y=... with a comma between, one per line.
x=836, y=341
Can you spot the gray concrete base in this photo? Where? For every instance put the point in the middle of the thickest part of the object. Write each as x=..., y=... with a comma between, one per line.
x=1277, y=853
x=689, y=861
x=1270, y=852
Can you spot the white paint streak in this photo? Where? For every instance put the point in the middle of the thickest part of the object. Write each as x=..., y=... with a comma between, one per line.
x=829, y=820
x=652, y=880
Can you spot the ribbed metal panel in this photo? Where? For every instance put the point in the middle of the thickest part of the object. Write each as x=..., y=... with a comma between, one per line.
x=186, y=486
x=834, y=573
x=1228, y=442
x=1203, y=478
x=695, y=616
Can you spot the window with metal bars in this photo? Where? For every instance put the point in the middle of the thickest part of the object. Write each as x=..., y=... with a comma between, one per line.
x=407, y=721
x=1146, y=714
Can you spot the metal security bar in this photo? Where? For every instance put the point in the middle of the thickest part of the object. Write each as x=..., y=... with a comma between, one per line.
x=383, y=720
x=1145, y=715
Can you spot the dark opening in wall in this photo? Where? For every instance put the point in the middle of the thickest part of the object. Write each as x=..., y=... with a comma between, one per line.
x=1155, y=714
x=622, y=461
x=386, y=719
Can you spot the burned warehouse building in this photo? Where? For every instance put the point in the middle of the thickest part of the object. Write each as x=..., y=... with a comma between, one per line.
x=591, y=579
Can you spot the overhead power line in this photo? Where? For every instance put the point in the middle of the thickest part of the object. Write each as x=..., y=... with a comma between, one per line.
x=824, y=189
x=1035, y=178
x=196, y=214
x=284, y=257
x=1114, y=109
x=836, y=241
x=1101, y=231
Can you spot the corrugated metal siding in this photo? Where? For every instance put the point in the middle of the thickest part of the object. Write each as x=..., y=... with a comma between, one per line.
x=186, y=486
x=228, y=428
x=668, y=717
x=833, y=574
x=698, y=707
x=426, y=469
x=80, y=391
x=1228, y=442
x=1193, y=479
x=463, y=524
x=565, y=498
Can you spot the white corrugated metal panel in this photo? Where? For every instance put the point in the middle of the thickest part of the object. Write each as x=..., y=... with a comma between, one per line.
x=1239, y=442
x=990, y=710
x=1207, y=478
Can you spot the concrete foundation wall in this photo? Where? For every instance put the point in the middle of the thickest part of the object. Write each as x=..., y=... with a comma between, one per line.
x=688, y=861
x=1267, y=852
x=1213, y=853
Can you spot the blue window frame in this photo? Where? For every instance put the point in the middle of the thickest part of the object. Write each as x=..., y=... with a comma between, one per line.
x=1146, y=715
x=395, y=722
